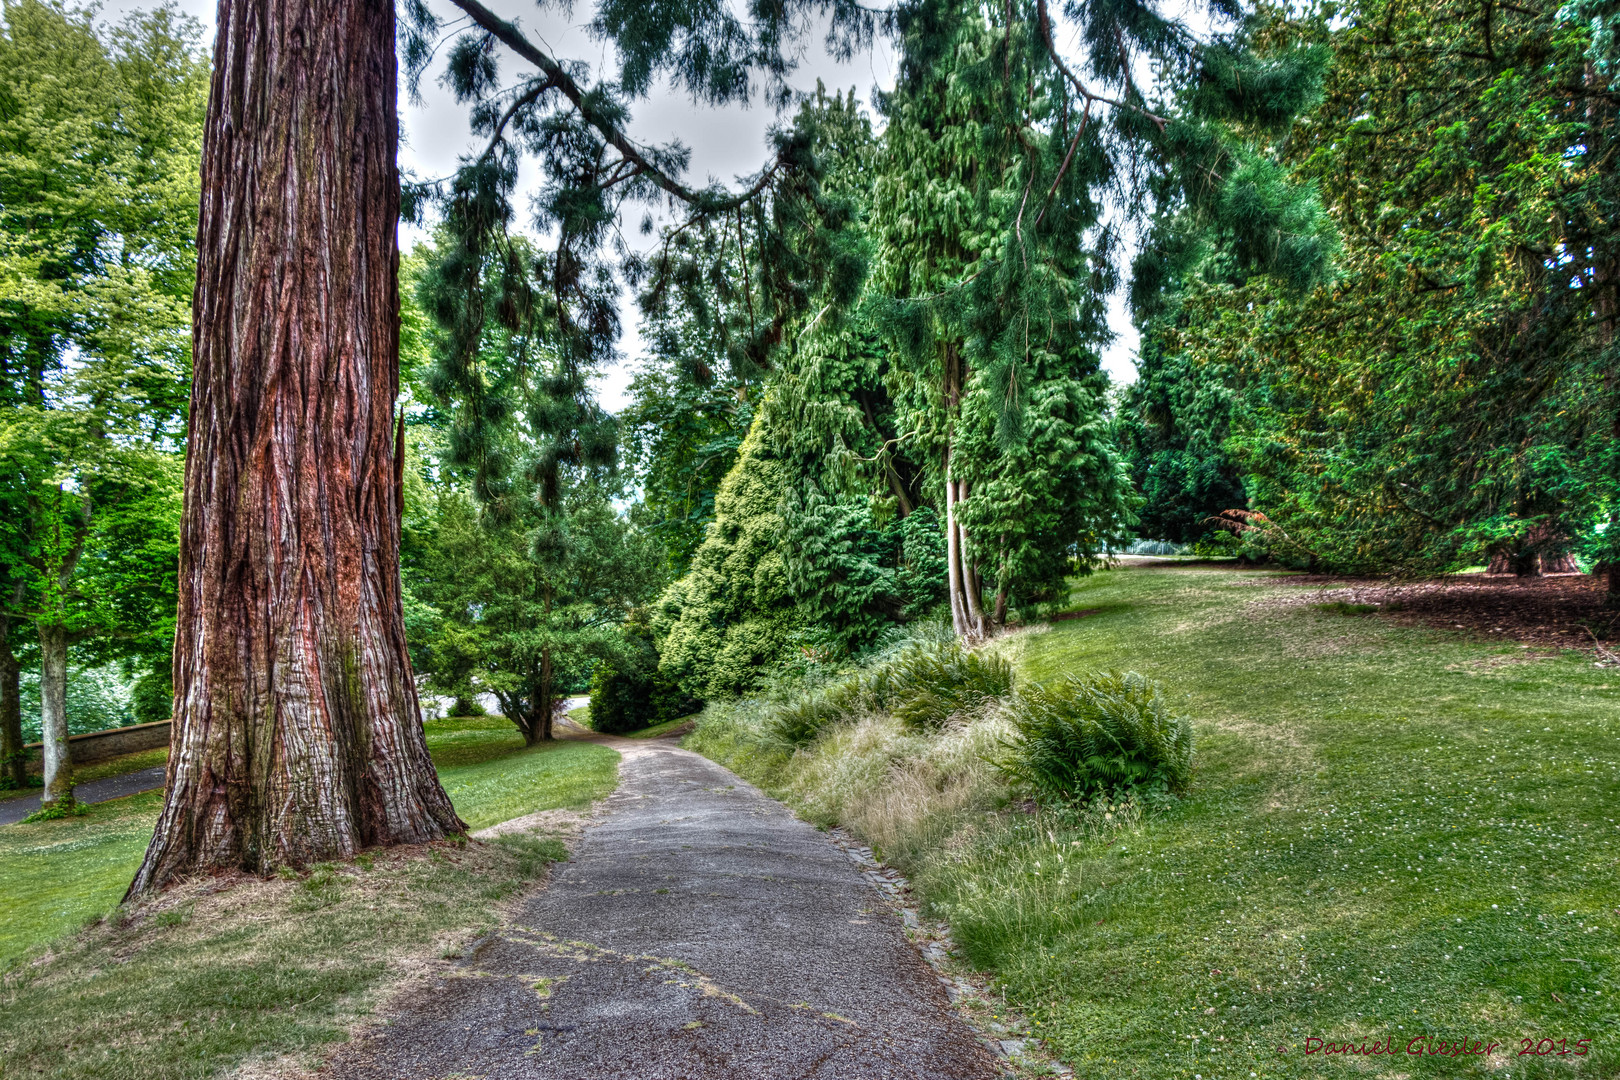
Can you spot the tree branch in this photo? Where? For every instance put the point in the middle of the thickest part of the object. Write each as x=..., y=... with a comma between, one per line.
x=1080, y=87
x=509, y=35
x=529, y=97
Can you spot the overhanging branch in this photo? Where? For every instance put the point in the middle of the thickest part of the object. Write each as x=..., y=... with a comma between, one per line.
x=555, y=76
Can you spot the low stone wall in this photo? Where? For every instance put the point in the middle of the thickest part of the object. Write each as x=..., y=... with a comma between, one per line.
x=94, y=746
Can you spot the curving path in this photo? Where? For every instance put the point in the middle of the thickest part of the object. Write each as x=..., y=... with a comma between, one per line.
x=113, y=787
x=701, y=930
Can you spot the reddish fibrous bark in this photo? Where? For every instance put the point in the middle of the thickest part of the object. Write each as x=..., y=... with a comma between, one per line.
x=297, y=732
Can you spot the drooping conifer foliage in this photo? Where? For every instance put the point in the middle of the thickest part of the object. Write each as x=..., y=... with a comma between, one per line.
x=960, y=400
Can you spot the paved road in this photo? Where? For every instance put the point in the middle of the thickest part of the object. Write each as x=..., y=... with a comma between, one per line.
x=114, y=787
x=701, y=931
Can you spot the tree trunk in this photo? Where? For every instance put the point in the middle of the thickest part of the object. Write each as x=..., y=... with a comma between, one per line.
x=902, y=500
x=953, y=556
x=1560, y=563
x=972, y=588
x=297, y=730
x=547, y=706
x=13, y=758
x=1527, y=564
x=53, y=714
x=953, y=533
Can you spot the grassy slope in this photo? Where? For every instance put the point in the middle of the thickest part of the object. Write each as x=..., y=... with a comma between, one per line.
x=1394, y=831
x=56, y=875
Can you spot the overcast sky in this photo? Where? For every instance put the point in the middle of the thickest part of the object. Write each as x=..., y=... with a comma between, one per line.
x=725, y=143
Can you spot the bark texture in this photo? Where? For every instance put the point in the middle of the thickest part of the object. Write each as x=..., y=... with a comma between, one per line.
x=13, y=759
x=53, y=725
x=297, y=732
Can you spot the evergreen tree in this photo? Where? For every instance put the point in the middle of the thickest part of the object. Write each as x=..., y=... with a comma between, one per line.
x=297, y=730
x=733, y=615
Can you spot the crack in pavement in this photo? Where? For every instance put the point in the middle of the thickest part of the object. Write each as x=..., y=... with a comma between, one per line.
x=760, y=953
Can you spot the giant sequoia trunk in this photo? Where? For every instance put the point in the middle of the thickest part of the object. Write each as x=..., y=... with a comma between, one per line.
x=297, y=732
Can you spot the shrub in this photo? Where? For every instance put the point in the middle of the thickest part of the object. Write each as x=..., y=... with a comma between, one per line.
x=629, y=693
x=466, y=705
x=57, y=811
x=1081, y=736
x=923, y=686
x=926, y=686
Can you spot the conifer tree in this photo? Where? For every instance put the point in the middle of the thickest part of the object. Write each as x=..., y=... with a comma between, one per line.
x=996, y=262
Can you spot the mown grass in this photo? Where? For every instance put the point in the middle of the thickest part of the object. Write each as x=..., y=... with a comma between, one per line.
x=55, y=875
x=204, y=981
x=1392, y=832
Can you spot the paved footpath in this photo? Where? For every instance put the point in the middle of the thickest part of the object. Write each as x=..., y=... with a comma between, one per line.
x=114, y=787
x=700, y=931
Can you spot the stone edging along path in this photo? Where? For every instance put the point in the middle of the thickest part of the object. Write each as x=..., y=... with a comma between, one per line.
x=1004, y=1033
x=700, y=930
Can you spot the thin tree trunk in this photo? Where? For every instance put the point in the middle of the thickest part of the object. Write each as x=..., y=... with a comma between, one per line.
x=971, y=585
x=531, y=708
x=297, y=730
x=13, y=758
x=899, y=489
x=548, y=698
x=53, y=714
x=953, y=538
x=953, y=556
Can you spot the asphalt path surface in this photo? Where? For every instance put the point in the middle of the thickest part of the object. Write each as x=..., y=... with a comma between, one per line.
x=700, y=930
x=114, y=787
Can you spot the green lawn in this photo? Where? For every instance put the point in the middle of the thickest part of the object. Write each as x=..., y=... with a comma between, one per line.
x=56, y=875
x=1394, y=831
x=491, y=778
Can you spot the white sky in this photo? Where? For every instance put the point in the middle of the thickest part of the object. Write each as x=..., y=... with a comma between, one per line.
x=725, y=143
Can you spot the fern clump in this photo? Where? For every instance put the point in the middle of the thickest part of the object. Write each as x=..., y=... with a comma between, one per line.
x=798, y=722
x=926, y=686
x=922, y=687
x=1081, y=736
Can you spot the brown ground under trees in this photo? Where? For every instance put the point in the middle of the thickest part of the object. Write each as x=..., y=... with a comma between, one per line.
x=1560, y=612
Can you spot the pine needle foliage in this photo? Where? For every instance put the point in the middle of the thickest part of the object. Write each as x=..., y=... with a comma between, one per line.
x=1106, y=733
x=1446, y=395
